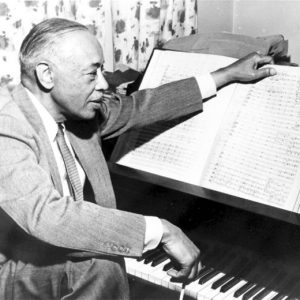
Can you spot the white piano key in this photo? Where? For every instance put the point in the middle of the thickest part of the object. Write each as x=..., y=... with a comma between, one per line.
x=166, y=281
x=270, y=295
x=175, y=286
x=206, y=292
x=138, y=269
x=148, y=270
x=157, y=274
x=132, y=266
x=206, y=286
x=193, y=288
x=152, y=274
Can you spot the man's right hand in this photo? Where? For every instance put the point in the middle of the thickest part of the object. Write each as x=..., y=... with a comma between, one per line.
x=246, y=69
x=182, y=250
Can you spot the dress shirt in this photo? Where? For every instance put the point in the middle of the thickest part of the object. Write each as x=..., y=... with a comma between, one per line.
x=206, y=85
x=154, y=229
x=51, y=129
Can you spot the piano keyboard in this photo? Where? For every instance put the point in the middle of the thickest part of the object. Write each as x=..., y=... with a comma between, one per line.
x=212, y=283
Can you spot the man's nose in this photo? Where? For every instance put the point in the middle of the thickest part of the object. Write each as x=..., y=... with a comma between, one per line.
x=101, y=82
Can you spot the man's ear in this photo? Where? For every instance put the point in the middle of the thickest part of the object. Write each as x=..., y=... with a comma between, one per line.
x=44, y=75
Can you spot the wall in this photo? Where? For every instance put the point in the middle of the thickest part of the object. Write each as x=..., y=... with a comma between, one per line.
x=255, y=18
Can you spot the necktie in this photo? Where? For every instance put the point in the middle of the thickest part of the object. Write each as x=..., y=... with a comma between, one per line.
x=70, y=165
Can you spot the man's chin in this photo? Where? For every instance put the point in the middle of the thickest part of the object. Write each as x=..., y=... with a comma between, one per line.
x=84, y=116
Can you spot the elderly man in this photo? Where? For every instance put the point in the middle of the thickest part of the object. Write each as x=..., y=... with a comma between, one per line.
x=61, y=236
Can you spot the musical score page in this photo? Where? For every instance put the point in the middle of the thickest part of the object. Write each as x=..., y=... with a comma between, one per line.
x=256, y=154
x=176, y=150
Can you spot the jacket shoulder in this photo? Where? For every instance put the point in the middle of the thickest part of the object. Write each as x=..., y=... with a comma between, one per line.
x=8, y=107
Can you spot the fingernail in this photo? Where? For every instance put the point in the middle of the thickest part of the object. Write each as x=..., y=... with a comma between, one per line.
x=273, y=72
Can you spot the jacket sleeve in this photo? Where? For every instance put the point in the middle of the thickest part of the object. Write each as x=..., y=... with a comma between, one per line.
x=148, y=106
x=28, y=196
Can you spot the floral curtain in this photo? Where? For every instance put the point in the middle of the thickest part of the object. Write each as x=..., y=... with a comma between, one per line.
x=128, y=30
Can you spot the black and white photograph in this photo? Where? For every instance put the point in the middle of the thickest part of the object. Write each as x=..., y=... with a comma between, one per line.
x=149, y=149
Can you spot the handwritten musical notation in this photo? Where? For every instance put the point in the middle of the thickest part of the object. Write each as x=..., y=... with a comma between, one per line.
x=246, y=142
x=176, y=150
x=256, y=154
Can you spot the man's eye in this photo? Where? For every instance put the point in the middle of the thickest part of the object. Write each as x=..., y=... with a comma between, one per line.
x=93, y=73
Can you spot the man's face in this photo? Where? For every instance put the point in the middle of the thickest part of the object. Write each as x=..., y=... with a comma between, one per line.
x=78, y=80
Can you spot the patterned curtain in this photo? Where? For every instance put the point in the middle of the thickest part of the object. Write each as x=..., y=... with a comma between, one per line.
x=128, y=30
x=139, y=26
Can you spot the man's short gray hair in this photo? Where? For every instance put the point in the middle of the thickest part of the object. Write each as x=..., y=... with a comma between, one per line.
x=40, y=39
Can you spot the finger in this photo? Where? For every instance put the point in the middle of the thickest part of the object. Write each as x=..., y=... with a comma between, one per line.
x=179, y=274
x=265, y=72
x=265, y=60
x=195, y=271
x=198, y=269
x=186, y=273
x=193, y=274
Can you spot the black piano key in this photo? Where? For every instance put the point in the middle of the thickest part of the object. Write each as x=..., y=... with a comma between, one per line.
x=222, y=261
x=267, y=278
x=243, y=289
x=261, y=272
x=148, y=253
x=168, y=266
x=279, y=287
x=240, y=268
x=208, y=276
x=204, y=271
x=236, y=268
x=230, y=284
x=286, y=287
x=152, y=256
x=262, y=294
x=240, y=272
x=253, y=291
x=159, y=254
x=220, y=282
x=143, y=256
x=274, y=282
x=159, y=259
x=250, y=274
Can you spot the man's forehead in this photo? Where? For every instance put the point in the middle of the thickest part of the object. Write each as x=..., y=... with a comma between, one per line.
x=77, y=37
x=82, y=44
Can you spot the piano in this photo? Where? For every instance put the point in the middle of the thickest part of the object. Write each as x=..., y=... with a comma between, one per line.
x=249, y=251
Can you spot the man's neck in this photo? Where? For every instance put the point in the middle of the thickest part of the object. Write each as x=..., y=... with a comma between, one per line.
x=45, y=99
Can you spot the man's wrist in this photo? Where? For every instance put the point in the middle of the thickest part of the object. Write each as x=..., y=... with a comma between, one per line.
x=222, y=77
x=169, y=231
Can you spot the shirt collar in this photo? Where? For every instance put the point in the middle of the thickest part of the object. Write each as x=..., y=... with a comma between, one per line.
x=48, y=121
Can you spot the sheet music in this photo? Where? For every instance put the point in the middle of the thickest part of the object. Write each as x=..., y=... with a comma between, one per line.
x=179, y=152
x=256, y=154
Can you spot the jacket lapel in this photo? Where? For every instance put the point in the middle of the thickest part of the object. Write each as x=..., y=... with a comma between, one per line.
x=85, y=142
x=22, y=99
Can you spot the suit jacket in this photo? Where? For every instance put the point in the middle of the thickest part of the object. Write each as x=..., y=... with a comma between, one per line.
x=34, y=214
